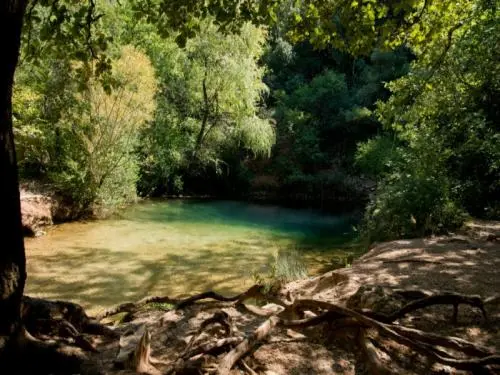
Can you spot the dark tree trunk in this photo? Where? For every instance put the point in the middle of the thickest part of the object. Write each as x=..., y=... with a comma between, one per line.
x=12, y=257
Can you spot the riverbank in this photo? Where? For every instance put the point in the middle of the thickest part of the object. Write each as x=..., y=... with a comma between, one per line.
x=385, y=279
x=42, y=207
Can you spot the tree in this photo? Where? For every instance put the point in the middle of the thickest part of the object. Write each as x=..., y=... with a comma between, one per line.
x=443, y=121
x=209, y=103
x=12, y=258
x=325, y=101
x=79, y=137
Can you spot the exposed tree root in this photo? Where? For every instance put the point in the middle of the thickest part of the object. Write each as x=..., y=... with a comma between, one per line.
x=336, y=311
x=44, y=316
x=247, y=345
x=24, y=354
x=214, y=348
x=68, y=320
x=439, y=299
x=52, y=339
x=132, y=307
x=219, y=317
x=254, y=291
x=248, y=368
x=426, y=344
x=135, y=353
x=371, y=356
x=448, y=342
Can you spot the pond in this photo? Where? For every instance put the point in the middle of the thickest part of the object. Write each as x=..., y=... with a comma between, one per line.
x=179, y=247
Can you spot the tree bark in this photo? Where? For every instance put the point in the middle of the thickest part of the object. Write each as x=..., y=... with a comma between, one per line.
x=12, y=256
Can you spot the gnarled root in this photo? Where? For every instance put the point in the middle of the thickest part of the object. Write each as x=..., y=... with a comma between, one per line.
x=135, y=353
x=46, y=317
x=247, y=345
x=24, y=354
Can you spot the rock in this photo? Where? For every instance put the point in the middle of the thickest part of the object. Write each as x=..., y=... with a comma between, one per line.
x=41, y=207
x=36, y=211
x=376, y=298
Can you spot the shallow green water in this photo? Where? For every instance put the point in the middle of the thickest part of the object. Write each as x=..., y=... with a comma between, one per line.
x=177, y=247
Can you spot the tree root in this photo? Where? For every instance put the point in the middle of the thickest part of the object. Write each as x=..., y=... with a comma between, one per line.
x=51, y=317
x=132, y=307
x=370, y=353
x=301, y=313
x=402, y=337
x=24, y=354
x=219, y=317
x=439, y=299
x=426, y=344
x=214, y=348
x=135, y=353
x=246, y=345
x=254, y=291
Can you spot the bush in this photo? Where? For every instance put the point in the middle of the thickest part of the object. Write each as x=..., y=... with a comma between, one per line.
x=81, y=137
x=409, y=206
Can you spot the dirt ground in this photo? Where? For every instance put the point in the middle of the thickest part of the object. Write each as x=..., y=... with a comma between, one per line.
x=467, y=263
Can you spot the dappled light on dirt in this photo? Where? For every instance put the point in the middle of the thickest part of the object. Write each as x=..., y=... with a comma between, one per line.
x=175, y=248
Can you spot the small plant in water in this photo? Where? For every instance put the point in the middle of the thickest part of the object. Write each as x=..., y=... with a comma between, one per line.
x=348, y=261
x=286, y=266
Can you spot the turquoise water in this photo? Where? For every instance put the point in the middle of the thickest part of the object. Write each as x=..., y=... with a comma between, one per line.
x=178, y=247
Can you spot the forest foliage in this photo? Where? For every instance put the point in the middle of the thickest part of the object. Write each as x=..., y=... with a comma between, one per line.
x=392, y=106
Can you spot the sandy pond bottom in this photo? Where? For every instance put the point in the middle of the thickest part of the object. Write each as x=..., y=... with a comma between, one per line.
x=177, y=248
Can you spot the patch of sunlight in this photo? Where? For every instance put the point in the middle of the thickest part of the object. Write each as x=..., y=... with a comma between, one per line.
x=177, y=248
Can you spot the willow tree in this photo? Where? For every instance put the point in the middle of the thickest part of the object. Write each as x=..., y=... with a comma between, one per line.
x=210, y=102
